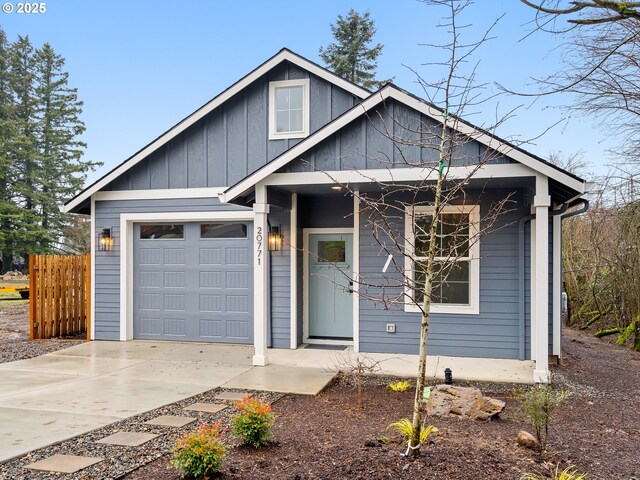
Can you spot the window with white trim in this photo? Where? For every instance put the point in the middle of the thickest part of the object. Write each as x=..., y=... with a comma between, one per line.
x=289, y=109
x=456, y=286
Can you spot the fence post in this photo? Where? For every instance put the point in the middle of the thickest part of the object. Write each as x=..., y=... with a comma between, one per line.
x=32, y=295
x=88, y=294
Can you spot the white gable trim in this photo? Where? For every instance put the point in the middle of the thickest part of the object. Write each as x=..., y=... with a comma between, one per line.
x=209, y=107
x=393, y=92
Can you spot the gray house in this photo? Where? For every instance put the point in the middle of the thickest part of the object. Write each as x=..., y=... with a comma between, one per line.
x=231, y=227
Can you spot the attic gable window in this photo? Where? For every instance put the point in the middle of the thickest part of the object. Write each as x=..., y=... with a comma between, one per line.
x=289, y=109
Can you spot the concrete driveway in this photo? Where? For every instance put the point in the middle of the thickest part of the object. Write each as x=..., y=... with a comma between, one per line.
x=57, y=396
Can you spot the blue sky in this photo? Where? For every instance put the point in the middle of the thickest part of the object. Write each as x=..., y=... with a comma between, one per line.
x=141, y=66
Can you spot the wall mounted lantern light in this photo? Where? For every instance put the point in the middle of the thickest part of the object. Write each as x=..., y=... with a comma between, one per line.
x=275, y=239
x=105, y=241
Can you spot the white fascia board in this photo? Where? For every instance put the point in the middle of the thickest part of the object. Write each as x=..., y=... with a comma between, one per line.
x=212, y=105
x=392, y=92
x=159, y=193
x=491, y=142
x=510, y=170
x=306, y=144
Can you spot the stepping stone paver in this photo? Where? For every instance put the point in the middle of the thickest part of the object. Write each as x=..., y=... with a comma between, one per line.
x=206, y=407
x=128, y=439
x=64, y=463
x=231, y=396
x=171, y=421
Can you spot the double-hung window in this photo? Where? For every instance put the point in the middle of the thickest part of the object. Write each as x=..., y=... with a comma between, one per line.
x=289, y=109
x=456, y=284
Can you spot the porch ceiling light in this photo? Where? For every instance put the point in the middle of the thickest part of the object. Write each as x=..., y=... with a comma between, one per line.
x=275, y=239
x=105, y=241
x=336, y=187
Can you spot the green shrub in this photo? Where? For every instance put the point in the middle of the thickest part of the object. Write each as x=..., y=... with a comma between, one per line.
x=253, y=424
x=566, y=474
x=538, y=405
x=399, y=386
x=200, y=454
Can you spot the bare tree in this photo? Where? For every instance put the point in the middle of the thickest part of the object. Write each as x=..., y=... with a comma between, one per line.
x=442, y=217
x=601, y=66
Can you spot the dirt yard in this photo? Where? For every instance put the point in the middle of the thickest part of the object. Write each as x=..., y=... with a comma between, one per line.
x=325, y=437
x=14, y=331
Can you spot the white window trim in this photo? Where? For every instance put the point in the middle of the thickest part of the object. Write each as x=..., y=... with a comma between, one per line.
x=304, y=83
x=473, y=308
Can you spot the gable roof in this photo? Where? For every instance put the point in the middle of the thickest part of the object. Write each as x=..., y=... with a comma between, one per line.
x=390, y=91
x=285, y=54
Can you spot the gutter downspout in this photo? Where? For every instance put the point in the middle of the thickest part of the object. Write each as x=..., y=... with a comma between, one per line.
x=521, y=279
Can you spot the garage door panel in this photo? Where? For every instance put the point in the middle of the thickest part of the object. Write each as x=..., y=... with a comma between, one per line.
x=192, y=288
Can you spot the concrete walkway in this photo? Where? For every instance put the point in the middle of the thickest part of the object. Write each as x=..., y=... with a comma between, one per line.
x=57, y=396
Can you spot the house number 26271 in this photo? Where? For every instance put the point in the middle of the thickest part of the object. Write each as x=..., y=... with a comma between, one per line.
x=259, y=245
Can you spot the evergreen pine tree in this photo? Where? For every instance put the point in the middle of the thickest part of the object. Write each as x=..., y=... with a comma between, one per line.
x=9, y=211
x=351, y=56
x=62, y=171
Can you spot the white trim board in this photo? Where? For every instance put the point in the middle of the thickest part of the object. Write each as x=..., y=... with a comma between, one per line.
x=305, y=285
x=473, y=308
x=391, y=91
x=159, y=193
x=126, y=252
x=283, y=55
x=351, y=177
x=293, y=265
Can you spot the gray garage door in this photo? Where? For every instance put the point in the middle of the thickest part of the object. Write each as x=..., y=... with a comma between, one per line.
x=193, y=282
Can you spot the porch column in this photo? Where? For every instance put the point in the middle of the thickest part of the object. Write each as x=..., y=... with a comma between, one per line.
x=557, y=285
x=540, y=323
x=260, y=232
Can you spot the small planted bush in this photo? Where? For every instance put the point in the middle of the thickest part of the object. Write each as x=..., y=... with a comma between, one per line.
x=566, y=474
x=404, y=427
x=202, y=453
x=538, y=406
x=399, y=386
x=253, y=425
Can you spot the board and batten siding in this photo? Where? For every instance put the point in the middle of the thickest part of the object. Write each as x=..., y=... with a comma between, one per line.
x=232, y=141
x=107, y=264
x=367, y=143
x=493, y=333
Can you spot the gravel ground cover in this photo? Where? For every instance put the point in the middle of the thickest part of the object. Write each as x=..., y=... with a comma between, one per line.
x=14, y=333
x=119, y=459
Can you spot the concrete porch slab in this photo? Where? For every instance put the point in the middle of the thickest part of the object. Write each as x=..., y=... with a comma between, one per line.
x=472, y=369
x=64, y=463
x=284, y=379
x=179, y=371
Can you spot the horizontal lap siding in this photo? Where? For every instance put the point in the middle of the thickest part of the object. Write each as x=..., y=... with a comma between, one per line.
x=233, y=140
x=494, y=333
x=281, y=283
x=107, y=264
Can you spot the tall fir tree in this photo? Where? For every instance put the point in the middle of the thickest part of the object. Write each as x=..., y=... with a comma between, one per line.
x=59, y=127
x=31, y=236
x=41, y=160
x=9, y=211
x=351, y=56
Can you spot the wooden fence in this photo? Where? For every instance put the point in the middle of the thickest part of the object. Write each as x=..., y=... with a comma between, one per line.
x=60, y=296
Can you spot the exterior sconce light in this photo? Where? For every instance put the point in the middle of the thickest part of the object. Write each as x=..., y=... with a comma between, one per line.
x=448, y=376
x=105, y=241
x=275, y=239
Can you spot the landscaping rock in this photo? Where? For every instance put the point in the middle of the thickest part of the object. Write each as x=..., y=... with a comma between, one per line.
x=527, y=440
x=468, y=402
